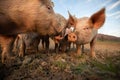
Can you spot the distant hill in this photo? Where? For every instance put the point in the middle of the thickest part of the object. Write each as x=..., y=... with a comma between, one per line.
x=104, y=37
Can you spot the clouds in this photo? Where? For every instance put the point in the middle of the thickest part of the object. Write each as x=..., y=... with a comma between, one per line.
x=117, y=17
x=105, y=3
x=89, y=0
x=114, y=5
x=114, y=14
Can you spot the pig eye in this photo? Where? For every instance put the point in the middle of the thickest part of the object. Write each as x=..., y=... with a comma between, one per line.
x=86, y=28
x=49, y=7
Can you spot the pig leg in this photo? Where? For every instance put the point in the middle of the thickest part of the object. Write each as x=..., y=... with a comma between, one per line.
x=43, y=41
x=69, y=45
x=82, y=48
x=6, y=52
x=6, y=45
x=36, y=45
x=57, y=40
x=73, y=45
x=92, y=47
x=56, y=48
x=22, y=49
x=78, y=49
x=15, y=48
x=47, y=43
x=62, y=46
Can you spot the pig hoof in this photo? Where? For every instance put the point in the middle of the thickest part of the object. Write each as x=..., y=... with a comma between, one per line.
x=77, y=54
x=56, y=51
x=15, y=51
x=21, y=55
x=93, y=56
x=46, y=52
x=12, y=58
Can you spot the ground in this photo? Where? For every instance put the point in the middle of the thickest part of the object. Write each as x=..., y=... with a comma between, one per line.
x=66, y=66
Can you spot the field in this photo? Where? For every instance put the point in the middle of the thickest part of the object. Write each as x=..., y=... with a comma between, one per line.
x=66, y=66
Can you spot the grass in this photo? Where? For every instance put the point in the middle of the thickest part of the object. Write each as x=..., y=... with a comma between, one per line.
x=79, y=69
x=61, y=65
x=106, y=67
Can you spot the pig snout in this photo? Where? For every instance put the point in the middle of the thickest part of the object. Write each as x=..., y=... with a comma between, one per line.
x=72, y=37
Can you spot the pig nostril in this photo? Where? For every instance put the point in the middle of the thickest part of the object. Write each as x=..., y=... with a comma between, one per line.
x=49, y=7
x=73, y=36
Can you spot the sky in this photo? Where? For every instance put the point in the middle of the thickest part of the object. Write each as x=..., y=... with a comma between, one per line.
x=85, y=8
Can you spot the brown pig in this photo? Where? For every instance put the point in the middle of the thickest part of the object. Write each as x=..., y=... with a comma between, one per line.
x=86, y=30
x=60, y=27
x=26, y=43
x=20, y=16
x=29, y=43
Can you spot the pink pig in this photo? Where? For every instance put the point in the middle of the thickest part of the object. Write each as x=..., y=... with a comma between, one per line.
x=86, y=30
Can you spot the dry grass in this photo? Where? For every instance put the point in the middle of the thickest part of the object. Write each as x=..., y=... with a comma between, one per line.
x=106, y=46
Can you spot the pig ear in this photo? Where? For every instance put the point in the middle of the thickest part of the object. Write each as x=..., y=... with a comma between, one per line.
x=71, y=19
x=52, y=4
x=98, y=18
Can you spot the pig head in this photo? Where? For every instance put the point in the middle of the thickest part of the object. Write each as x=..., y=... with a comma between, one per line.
x=86, y=30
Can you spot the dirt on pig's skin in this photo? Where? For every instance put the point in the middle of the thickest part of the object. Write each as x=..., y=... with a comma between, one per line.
x=66, y=66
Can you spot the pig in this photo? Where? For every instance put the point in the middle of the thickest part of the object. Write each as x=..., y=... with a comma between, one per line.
x=60, y=27
x=21, y=16
x=26, y=39
x=26, y=43
x=29, y=43
x=86, y=30
x=64, y=43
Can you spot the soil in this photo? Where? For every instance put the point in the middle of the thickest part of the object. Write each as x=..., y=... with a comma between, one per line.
x=66, y=66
